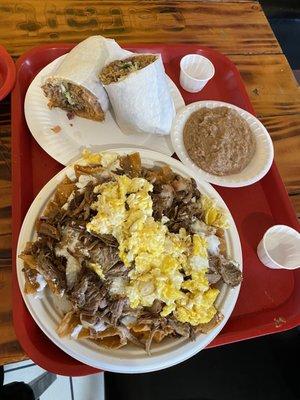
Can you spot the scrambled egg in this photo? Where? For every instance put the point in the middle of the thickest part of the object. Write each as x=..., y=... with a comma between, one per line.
x=107, y=160
x=213, y=215
x=166, y=266
x=91, y=158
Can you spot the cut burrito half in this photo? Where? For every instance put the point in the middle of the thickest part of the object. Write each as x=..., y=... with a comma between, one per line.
x=139, y=93
x=75, y=86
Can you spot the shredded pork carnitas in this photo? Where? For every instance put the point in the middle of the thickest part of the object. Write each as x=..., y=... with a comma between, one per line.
x=86, y=267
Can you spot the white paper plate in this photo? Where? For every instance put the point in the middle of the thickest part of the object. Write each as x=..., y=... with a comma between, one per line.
x=255, y=170
x=66, y=146
x=129, y=359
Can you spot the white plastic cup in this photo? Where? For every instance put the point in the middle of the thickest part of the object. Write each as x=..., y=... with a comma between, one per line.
x=195, y=72
x=280, y=248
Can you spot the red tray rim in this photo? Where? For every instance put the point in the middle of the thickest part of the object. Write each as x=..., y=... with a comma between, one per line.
x=10, y=76
x=228, y=336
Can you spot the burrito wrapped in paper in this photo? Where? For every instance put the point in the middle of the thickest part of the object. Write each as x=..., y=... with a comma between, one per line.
x=139, y=93
x=75, y=85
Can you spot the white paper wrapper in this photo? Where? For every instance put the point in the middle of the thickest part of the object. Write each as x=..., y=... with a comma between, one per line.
x=84, y=62
x=142, y=101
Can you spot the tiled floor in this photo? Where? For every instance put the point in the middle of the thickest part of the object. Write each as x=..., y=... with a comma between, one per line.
x=89, y=387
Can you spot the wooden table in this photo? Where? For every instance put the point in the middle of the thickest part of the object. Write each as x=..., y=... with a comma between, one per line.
x=236, y=28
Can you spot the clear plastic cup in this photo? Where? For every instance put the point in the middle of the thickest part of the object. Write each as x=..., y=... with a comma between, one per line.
x=195, y=72
x=280, y=248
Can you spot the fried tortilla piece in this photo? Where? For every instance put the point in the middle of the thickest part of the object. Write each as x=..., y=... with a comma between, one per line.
x=111, y=342
x=63, y=191
x=222, y=246
x=131, y=164
x=29, y=260
x=84, y=334
x=55, y=288
x=45, y=229
x=31, y=285
x=160, y=334
x=207, y=327
x=140, y=328
x=87, y=170
x=162, y=175
x=143, y=331
x=61, y=195
x=156, y=334
x=51, y=209
x=111, y=338
x=68, y=324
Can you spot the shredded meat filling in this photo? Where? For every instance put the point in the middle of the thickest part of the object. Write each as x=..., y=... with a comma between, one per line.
x=221, y=268
x=73, y=98
x=120, y=69
x=87, y=293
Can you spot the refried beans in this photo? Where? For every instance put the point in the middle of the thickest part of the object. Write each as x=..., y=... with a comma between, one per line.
x=219, y=141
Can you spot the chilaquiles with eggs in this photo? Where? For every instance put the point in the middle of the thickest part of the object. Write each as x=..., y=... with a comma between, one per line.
x=139, y=253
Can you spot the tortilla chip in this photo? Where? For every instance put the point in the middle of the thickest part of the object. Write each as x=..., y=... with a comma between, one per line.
x=111, y=331
x=54, y=287
x=110, y=338
x=207, y=327
x=222, y=247
x=61, y=195
x=63, y=191
x=140, y=328
x=30, y=287
x=87, y=170
x=111, y=342
x=29, y=260
x=131, y=164
x=165, y=174
x=51, y=209
x=29, y=247
x=143, y=331
x=67, y=324
x=158, y=335
x=161, y=334
x=161, y=175
x=84, y=334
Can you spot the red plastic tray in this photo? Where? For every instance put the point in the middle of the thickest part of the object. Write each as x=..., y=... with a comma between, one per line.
x=7, y=73
x=269, y=300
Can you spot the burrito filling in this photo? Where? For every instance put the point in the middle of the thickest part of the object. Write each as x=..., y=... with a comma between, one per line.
x=120, y=69
x=73, y=98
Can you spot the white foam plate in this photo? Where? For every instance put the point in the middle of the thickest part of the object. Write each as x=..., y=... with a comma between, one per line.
x=129, y=359
x=255, y=170
x=66, y=146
